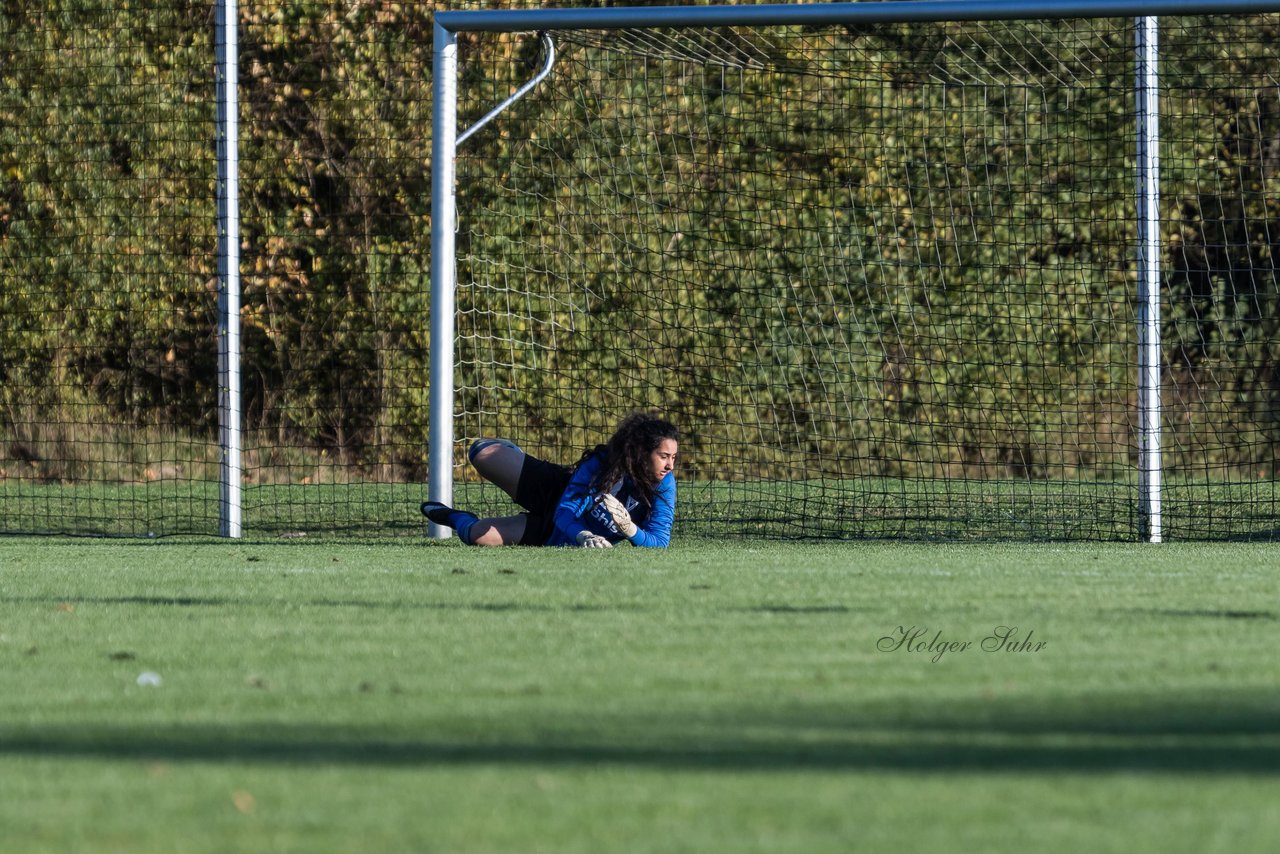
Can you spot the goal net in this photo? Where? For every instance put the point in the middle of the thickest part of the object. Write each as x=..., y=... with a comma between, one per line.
x=884, y=276
x=110, y=310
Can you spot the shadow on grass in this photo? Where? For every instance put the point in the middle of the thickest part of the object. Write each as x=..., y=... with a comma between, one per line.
x=1245, y=740
x=1207, y=613
x=401, y=605
x=226, y=602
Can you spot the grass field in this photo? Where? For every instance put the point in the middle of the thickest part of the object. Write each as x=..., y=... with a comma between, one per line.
x=746, y=696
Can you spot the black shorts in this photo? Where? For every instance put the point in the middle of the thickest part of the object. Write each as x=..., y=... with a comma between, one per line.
x=538, y=491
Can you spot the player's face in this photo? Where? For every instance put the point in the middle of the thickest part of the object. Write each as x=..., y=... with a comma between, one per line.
x=663, y=459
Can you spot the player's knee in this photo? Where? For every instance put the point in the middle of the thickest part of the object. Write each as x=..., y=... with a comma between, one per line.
x=482, y=449
x=484, y=533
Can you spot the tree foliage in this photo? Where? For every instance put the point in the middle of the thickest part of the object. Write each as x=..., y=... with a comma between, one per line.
x=947, y=289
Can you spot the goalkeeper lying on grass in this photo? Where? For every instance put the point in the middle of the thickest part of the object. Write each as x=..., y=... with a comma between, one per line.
x=624, y=490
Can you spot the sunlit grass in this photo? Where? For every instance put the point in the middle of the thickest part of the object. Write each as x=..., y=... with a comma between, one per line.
x=751, y=695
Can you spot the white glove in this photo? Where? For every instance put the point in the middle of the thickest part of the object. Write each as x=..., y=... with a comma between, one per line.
x=588, y=540
x=621, y=517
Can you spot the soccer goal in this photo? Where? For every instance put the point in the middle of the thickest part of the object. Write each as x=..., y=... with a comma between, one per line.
x=983, y=269
x=926, y=269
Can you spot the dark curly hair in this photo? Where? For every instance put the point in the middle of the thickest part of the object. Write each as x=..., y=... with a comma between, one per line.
x=627, y=453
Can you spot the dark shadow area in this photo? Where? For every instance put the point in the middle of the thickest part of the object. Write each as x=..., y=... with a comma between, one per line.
x=1222, y=738
x=1207, y=613
x=746, y=756
x=222, y=602
x=802, y=609
x=402, y=605
x=150, y=601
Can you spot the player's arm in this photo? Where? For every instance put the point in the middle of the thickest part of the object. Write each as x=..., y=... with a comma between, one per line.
x=574, y=503
x=656, y=532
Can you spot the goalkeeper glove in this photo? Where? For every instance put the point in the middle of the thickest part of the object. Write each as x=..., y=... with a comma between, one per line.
x=589, y=540
x=621, y=517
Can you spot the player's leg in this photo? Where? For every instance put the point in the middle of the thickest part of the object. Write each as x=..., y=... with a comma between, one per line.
x=498, y=531
x=534, y=484
x=498, y=461
x=501, y=531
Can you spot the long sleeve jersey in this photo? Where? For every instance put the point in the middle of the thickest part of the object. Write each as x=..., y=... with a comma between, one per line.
x=580, y=510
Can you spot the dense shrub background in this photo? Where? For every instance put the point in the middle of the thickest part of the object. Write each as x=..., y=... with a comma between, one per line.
x=973, y=312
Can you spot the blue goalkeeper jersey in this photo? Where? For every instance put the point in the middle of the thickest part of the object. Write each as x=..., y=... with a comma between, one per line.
x=580, y=510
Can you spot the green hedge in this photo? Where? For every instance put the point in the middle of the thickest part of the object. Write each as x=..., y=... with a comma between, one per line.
x=108, y=246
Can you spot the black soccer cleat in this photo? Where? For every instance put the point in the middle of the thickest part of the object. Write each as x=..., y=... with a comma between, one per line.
x=437, y=512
